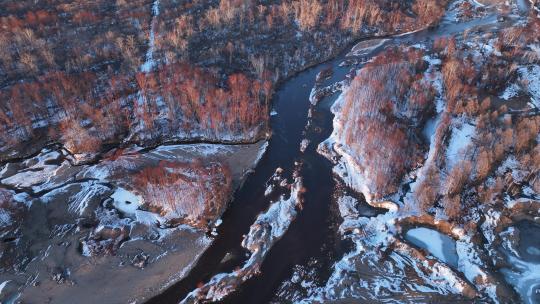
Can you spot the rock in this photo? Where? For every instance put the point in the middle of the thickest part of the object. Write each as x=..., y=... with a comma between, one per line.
x=59, y=276
x=304, y=144
x=324, y=74
x=140, y=260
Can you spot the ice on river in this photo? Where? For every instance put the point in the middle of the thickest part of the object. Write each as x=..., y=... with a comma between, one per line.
x=525, y=277
x=439, y=245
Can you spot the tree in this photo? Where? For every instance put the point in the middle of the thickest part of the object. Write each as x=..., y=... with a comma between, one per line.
x=483, y=164
x=457, y=177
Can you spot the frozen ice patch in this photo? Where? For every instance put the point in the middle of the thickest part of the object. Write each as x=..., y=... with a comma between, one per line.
x=439, y=245
x=125, y=201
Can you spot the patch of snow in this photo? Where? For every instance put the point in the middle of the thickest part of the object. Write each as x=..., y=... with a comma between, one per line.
x=490, y=223
x=262, y=151
x=147, y=218
x=23, y=198
x=279, y=216
x=205, y=150
x=269, y=189
x=472, y=267
x=531, y=76
x=267, y=229
x=27, y=179
x=510, y=163
x=388, y=275
x=510, y=92
x=429, y=129
x=5, y=218
x=460, y=140
x=149, y=64
x=365, y=47
x=432, y=60
x=347, y=207
x=100, y=172
x=79, y=202
x=125, y=201
x=3, y=285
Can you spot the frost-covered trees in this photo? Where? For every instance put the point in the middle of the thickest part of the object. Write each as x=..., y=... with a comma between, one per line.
x=193, y=193
x=195, y=102
x=380, y=105
x=56, y=58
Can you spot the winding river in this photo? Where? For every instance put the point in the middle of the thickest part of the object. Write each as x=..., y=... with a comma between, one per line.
x=312, y=236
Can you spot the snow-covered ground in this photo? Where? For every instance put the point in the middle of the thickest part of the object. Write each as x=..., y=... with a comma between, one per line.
x=461, y=138
x=97, y=210
x=460, y=267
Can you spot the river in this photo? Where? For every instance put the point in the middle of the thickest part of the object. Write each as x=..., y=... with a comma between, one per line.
x=312, y=236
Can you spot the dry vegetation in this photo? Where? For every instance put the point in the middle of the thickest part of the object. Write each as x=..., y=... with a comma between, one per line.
x=389, y=101
x=472, y=86
x=383, y=102
x=193, y=193
x=70, y=70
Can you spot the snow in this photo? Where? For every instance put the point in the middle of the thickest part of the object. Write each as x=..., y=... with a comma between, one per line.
x=79, y=202
x=460, y=140
x=510, y=163
x=5, y=218
x=100, y=172
x=149, y=64
x=262, y=151
x=365, y=47
x=472, y=267
x=269, y=189
x=3, y=285
x=267, y=229
x=439, y=245
x=366, y=273
x=23, y=198
x=522, y=6
x=531, y=76
x=429, y=129
x=347, y=207
x=510, y=92
x=490, y=223
x=27, y=179
x=147, y=218
x=200, y=150
x=125, y=201
x=279, y=216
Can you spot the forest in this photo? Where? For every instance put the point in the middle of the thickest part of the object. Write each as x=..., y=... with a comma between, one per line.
x=74, y=72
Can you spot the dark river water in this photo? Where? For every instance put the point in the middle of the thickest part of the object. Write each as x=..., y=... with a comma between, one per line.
x=308, y=235
x=313, y=235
